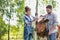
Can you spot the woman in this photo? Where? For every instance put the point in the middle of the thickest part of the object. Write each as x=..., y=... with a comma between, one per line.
x=28, y=20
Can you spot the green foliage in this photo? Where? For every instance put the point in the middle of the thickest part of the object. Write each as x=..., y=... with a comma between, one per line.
x=20, y=5
x=50, y=2
x=54, y=4
x=20, y=12
x=7, y=7
x=3, y=27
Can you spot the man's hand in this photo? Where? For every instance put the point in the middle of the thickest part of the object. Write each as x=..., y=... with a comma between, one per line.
x=52, y=29
x=49, y=33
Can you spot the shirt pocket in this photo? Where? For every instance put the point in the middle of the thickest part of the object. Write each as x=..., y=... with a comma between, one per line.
x=50, y=21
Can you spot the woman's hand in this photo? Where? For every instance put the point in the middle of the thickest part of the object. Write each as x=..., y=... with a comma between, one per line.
x=35, y=19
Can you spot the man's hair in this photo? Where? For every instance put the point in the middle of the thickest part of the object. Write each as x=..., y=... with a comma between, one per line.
x=49, y=6
x=27, y=9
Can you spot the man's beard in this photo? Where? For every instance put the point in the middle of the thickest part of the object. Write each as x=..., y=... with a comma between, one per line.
x=49, y=12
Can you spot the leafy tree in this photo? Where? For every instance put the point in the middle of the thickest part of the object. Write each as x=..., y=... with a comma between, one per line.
x=3, y=28
x=9, y=7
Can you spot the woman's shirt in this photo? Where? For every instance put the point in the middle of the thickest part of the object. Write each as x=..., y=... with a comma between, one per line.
x=28, y=24
x=28, y=20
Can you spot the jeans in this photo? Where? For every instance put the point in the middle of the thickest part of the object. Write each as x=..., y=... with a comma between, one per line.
x=52, y=36
x=28, y=37
x=28, y=33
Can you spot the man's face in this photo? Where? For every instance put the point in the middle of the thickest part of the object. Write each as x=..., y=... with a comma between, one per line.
x=48, y=10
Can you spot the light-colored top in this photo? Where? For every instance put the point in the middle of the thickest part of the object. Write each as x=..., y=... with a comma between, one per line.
x=52, y=22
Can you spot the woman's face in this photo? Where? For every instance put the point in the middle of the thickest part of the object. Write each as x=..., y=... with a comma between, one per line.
x=29, y=12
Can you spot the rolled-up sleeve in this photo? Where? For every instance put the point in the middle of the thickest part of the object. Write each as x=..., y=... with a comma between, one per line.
x=45, y=16
x=55, y=22
x=26, y=21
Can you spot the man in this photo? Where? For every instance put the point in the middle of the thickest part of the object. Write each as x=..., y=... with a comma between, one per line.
x=51, y=25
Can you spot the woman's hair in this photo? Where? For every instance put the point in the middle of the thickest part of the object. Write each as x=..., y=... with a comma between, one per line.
x=49, y=6
x=27, y=9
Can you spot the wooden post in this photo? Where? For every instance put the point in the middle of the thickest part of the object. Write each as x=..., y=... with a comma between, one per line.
x=36, y=14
